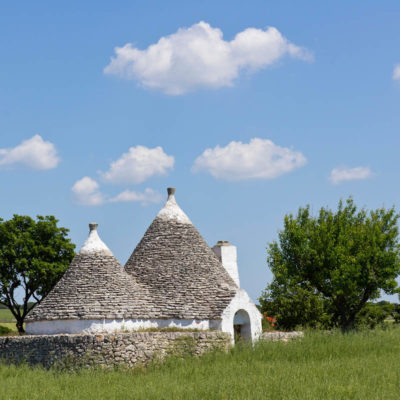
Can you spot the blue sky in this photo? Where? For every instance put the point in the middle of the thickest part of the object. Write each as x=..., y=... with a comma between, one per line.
x=320, y=93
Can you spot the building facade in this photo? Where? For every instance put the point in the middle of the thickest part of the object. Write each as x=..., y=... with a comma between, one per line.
x=172, y=279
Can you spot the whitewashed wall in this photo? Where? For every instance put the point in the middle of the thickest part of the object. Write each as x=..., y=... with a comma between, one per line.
x=241, y=301
x=227, y=254
x=116, y=325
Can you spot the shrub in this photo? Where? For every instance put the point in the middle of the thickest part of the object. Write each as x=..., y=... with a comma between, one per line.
x=374, y=314
x=4, y=331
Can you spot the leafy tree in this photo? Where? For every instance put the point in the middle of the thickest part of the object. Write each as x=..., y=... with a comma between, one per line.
x=295, y=306
x=345, y=258
x=374, y=314
x=387, y=307
x=396, y=313
x=33, y=257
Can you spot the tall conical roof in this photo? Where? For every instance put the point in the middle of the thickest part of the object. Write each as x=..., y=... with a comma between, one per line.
x=185, y=278
x=95, y=286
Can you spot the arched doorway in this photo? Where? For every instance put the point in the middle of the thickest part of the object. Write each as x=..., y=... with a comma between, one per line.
x=241, y=326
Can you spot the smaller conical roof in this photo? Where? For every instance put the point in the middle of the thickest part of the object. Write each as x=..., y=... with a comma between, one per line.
x=95, y=286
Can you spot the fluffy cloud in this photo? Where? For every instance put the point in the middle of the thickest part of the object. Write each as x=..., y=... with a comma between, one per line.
x=34, y=153
x=86, y=191
x=259, y=159
x=342, y=174
x=396, y=72
x=149, y=196
x=139, y=164
x=198, y=56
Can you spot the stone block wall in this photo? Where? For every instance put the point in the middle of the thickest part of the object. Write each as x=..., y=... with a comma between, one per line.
x=108, y=350
x=284, y=336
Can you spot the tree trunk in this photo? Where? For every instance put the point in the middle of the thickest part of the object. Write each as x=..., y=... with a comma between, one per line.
x=347, y=324
x=20, y=325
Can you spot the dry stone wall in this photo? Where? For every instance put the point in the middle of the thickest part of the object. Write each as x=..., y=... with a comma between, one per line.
x=284, y=336
x=108, y=350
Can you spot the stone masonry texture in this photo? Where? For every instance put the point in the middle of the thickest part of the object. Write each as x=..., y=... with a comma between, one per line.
x=172, y=273
x=95, y=286
x=283, y=336
x=108, y=350
x=184, y=276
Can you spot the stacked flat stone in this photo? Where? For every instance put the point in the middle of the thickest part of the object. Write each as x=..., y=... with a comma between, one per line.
x=185, y=278
x=172, y=274
x=108, y=350
x=95, y=286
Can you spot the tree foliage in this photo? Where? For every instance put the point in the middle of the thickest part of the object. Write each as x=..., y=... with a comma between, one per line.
x=33, y=257
x=335, y=262
x=374, y=314
x=295, y=306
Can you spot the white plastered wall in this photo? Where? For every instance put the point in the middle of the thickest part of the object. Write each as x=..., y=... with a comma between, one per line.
x=241, y=301
x=228, y=257
x=108, y=325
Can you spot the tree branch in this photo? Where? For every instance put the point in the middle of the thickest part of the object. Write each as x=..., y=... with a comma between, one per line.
x=10, y=306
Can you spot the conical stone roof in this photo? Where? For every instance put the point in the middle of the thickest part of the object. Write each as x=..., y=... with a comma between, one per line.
x=95, y=286
x=184, y=276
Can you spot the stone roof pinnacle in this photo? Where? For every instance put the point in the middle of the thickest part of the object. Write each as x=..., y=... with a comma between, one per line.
x=93, y=243
x=171, y=210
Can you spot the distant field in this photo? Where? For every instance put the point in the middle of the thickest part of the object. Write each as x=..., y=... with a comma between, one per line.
x=326, y=366
x=6, y=316
x=7, y=319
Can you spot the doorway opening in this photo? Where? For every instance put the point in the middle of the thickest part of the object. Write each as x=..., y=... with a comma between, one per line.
x=241, y=326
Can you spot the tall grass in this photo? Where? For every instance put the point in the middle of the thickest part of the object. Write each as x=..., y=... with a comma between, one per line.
x=362, y=365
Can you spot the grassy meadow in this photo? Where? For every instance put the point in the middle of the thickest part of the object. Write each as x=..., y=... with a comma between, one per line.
x=364, y=365
x=6, y=316
x=7, y=319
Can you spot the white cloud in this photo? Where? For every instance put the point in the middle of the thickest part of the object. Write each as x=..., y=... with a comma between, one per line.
x=259, y=159
x=86, y=191
x=149, y=196
x=139, y=164
x=198, y=56
x=34, y=153
x=396, y=72
x=343, y=173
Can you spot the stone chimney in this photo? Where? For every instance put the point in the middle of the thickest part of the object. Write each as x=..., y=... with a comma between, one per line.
x=227, y=255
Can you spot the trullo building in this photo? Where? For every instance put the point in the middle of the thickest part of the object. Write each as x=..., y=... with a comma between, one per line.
x=172, y=279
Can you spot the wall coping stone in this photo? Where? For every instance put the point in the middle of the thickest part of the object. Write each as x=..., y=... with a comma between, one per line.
x=284, y=336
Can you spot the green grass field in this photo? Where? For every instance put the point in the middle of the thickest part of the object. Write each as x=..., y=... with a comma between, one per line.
x=362, y=365
x=7, y=319
x=5, y=315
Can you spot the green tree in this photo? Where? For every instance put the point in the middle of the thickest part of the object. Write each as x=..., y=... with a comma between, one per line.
x=294, y=306
x=374, y=314
x=396, y=313
x=345, y=258
x=33, y=257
